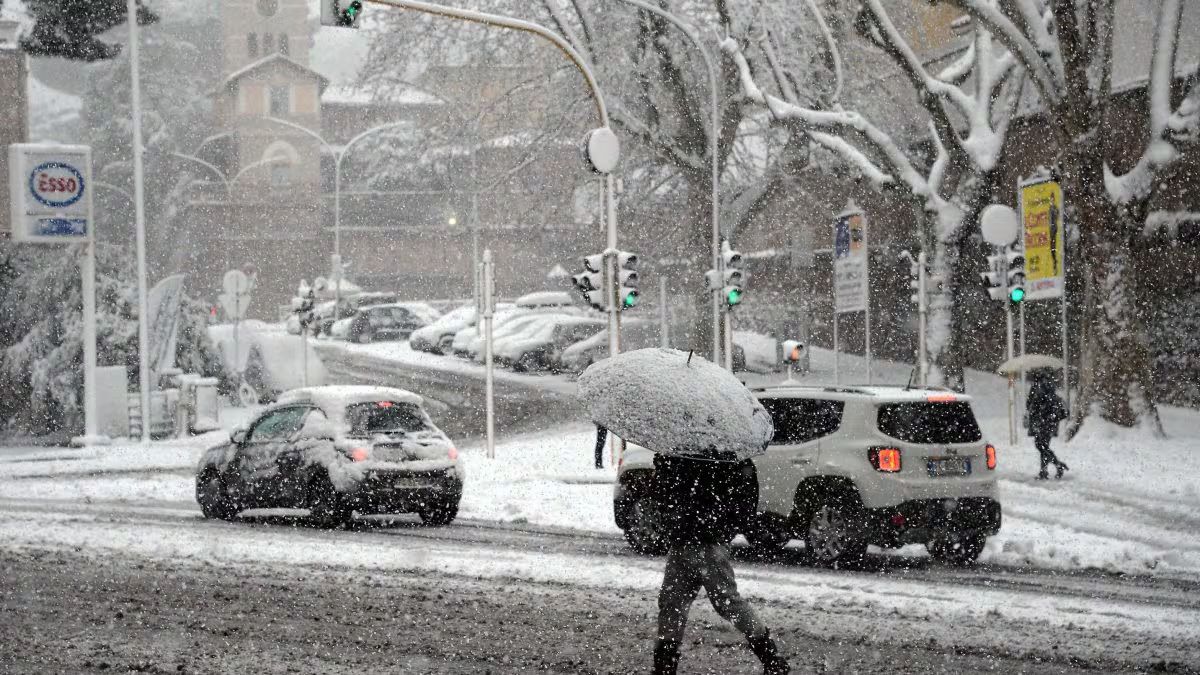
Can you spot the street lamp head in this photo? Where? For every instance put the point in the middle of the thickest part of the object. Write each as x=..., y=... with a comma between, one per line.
x=452, y=221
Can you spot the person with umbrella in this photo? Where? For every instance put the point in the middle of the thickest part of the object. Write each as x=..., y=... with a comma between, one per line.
x=1044, y=409
x=703, y=425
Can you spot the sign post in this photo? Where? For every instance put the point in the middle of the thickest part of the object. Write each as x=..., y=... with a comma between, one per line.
x=851, y=290
x=1000, y=228
x=51, y=203
x=489, y=310
x=1041, y=199
x=235, y=301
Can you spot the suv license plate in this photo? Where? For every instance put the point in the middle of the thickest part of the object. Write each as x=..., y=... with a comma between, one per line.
x=949, y=466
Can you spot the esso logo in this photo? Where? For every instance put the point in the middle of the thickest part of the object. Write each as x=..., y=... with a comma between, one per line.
x=56, y=185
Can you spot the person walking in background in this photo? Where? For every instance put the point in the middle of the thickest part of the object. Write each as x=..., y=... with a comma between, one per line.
x=703, y=504
x=1044, y=409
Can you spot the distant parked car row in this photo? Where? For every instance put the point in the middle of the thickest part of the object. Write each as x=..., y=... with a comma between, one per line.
x=369, y=317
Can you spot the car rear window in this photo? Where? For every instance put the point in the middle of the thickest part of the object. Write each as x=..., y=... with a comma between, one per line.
x=382, y=417
x=940, y=422
x=799, y=420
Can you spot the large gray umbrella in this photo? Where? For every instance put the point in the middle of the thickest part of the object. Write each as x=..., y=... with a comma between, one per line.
x=675, y=403
x=1027, y=362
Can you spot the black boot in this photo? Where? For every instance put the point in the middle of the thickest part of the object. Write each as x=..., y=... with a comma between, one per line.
x=666, y=657
x=764, y=648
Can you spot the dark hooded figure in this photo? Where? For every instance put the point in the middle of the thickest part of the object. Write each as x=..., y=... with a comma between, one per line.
x=1044, y=409
x=703, y=505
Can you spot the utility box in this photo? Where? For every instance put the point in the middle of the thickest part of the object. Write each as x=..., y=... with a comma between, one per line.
x=112, y=388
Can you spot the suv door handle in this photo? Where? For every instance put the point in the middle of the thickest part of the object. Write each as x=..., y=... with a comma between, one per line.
x=801, y=461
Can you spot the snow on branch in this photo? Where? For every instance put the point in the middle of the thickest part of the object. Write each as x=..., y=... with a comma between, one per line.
x=1161, y=151
x=878, y=178
x=831, y=122
x=991, y=18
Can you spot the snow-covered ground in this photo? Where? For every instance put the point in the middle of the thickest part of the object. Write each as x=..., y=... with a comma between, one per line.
x=1130, y=503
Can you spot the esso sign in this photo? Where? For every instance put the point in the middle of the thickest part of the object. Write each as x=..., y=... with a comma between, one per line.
x=51, y=202
x=56, y=184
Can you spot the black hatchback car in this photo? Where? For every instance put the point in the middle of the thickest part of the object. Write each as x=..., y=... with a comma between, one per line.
x=335, y=450
x=388, y=322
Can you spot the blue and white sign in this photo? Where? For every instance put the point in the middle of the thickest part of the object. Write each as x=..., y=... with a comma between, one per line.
x=50, y=187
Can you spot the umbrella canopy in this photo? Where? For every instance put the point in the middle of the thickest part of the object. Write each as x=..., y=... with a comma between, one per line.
x=675, y=403
x=1028, y=362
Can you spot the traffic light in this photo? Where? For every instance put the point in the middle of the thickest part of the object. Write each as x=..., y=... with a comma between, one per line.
x=303, y=305
x=590, y=282
x=793, y=351
x=627, y=280
x=341, y=13
x=914, y=276
x=733, y=278
x=1005, y=279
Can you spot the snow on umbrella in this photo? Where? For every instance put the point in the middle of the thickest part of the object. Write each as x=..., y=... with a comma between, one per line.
x=1027, y=362
x=676, y=403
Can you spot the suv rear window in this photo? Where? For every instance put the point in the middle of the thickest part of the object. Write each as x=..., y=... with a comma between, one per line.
x=799, y=420
x=384, y=417
x=929, y=422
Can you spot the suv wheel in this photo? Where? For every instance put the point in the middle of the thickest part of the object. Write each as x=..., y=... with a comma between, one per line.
x=833, y=531
x=210, y=494
x=644, y=531
x=362, y=338
x=957, y=549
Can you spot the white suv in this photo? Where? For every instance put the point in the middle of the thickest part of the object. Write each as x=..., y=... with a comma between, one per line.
x=852, y=466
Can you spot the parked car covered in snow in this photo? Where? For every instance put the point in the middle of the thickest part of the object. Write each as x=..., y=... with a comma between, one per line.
x=438, y=337
x=546, y=299
x=376, y=323
x=333, y=451
x=540, y=345
x=635, y=334
x=326, y=316
x=270, y=362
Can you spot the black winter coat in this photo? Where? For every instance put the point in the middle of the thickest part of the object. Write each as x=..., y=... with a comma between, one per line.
x=704, y=502
x=1044, y=409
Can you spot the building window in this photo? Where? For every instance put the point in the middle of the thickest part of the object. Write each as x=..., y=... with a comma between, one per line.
x=268, y=8
x=280, y=101
x=252, y=45
x=268, y=43
x=284, y=47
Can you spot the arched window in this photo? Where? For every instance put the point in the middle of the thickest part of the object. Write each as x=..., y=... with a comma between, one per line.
x=252, y=44
x=284, y=47
x=286, y=156
x=268, y=43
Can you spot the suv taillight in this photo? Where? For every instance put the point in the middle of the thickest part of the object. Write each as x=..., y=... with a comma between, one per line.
x=886, y=460
x=990, y=453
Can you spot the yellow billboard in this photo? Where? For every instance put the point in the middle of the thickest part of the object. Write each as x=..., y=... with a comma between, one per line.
x=1042, y=232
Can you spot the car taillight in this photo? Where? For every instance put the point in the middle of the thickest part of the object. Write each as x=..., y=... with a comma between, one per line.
x=359, y=454
x=990, y=452
x=886, y=460
x=452, y=453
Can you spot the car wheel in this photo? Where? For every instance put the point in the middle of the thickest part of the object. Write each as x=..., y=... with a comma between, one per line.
x=438, y=513
x=362, y=338
x=327, y=507
x=210, y=494
x=446, y=344
x=833, y=531
x=644, y=530
x=957, y=549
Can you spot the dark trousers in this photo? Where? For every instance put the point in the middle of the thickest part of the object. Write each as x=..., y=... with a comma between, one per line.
x=601, y=436
x=691, y=567
x=1042, y=442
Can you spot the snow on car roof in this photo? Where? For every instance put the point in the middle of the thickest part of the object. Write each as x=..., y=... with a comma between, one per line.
x=897, y=393
x=333, y=398
x=545, y=298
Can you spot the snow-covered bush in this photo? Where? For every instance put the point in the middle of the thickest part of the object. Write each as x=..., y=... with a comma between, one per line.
x=41, y=333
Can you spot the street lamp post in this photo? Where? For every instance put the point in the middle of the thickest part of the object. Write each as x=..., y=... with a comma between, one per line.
x=139, y=201
x=714, y=142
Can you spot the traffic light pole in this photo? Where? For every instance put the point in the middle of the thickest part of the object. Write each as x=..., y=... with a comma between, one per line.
x=1012, y=394
x=489, y=307
x=922, y=315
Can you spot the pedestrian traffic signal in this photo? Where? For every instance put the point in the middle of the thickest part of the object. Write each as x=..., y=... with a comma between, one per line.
x=627, y=280
x=732, y=277
x=590, y=282
x=341, y=13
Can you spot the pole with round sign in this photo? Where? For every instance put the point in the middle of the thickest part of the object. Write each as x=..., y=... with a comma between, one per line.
x=999, y=226
x=51, y=197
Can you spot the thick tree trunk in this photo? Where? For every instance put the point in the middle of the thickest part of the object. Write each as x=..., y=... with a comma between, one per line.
x=1115, y=369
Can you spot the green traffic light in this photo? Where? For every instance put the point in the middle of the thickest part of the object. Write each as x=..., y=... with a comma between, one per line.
x=733, y=297
x=630, y=300
x=1016, y=294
